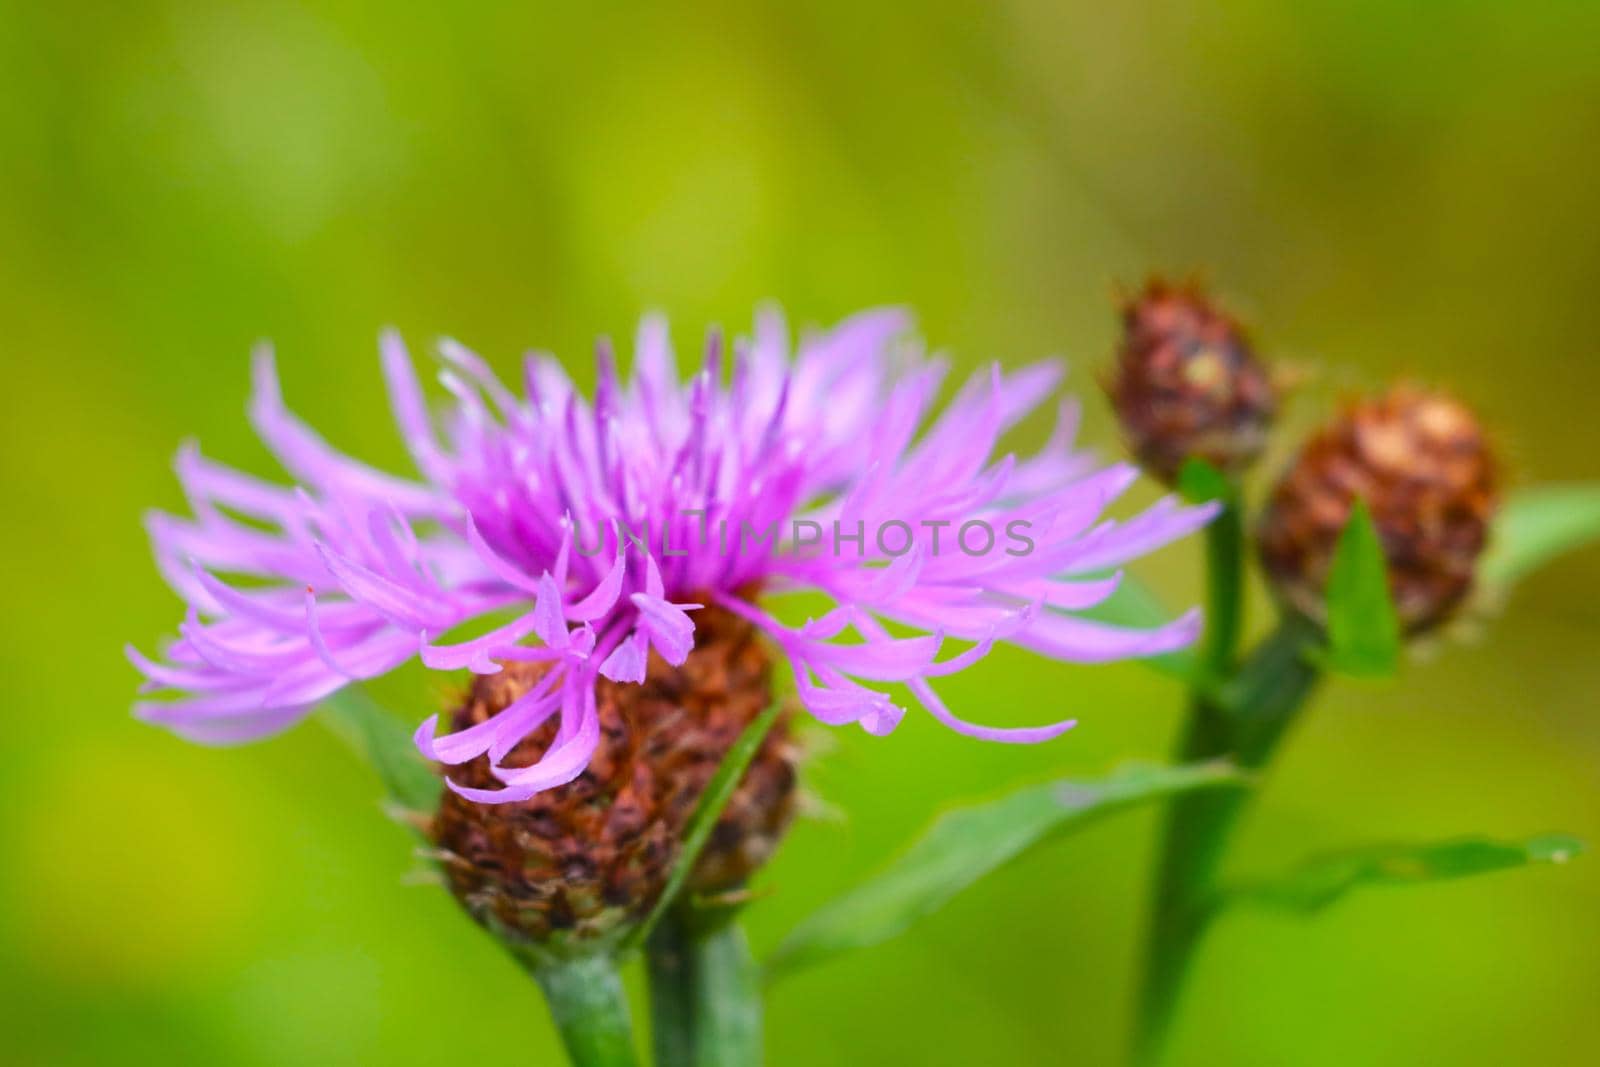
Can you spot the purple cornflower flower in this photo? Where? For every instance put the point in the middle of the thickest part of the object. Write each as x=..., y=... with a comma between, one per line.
x=585, y=536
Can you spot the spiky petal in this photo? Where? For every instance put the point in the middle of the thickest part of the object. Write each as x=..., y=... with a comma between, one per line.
x=518, y=540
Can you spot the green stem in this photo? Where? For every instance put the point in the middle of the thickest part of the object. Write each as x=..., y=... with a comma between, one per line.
x=590, y=1010
x=1224, y=590
x=669, y=957
x=705, y=996
x=1192, y=838
x=730, y=1000
x=1244, y=719
x=1190, y=851
x=1265, y=695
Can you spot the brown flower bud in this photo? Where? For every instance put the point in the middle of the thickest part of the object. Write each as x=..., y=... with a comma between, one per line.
x=1187, y=384
x=580, y=861
x=1421, y=462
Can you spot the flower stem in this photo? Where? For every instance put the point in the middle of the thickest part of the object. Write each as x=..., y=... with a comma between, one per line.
x=1191, y=844
x=705, y=996
x=1224, y=589
x=1264, y=696
x=1238, y=713
x=590, y=1010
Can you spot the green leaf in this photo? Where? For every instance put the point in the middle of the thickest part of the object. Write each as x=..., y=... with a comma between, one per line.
x=706, y=813
x=1536, y=525
x=1133, y=605
x=1320, y=882
x=1363, y=630
x=963, y=845
x=1200, y=483
x=383, y=740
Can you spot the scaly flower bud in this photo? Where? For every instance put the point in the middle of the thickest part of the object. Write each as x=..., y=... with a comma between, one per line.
x=1421, y=462
x=1187, y=385
x=580, y=861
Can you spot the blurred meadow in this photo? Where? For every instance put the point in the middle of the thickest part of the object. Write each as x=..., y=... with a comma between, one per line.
x=1382, y=190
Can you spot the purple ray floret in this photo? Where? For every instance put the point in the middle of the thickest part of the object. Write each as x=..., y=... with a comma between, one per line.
x=585, y=535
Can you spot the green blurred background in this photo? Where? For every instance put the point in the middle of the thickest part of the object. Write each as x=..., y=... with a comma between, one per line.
x=1382, y=189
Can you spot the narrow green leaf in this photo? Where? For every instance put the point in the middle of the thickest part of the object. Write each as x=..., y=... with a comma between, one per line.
x=963, y=845
x=1363, y=630
x=1133, y=605
x=1320, y=882
x=1536, y=525
x=1200, y=483
x=383, y=740
x=706, y=813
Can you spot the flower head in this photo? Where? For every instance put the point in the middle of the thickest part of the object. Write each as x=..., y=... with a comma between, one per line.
x=584, y=536
x=1422, y=463
x=1187, y=385
x=580, y=862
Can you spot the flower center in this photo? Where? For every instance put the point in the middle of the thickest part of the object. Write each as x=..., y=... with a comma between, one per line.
x=581, y=858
